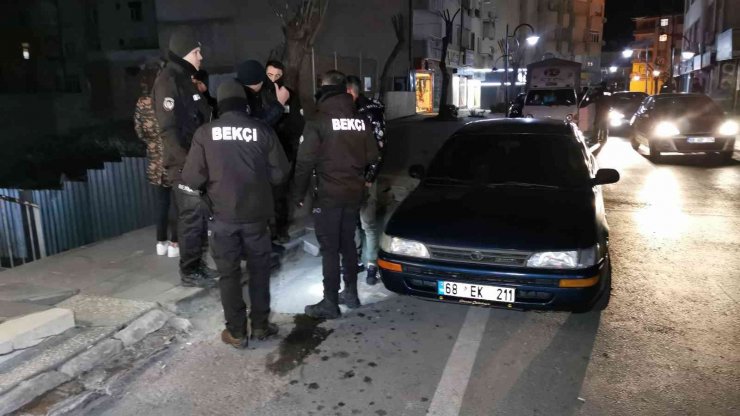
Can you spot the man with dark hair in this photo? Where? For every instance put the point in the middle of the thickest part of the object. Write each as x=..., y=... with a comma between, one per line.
x=236, y=160
x=338, y=145
x=289, y=129
x=251, y=74
x=180, y=110
x=373, y=112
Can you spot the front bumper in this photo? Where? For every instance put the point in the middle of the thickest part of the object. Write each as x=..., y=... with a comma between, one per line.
x=534, y=289
x=680, y=144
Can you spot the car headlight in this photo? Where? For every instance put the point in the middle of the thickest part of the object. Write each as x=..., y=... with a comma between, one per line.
x=395, y=245
x=529, y=116
x=615, y=115
x=569, y=118
x=573, y=259
x=729, y=128
x=666, y=129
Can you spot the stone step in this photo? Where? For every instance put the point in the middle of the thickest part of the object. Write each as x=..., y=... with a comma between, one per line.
x=28, y=293
x=10, y=310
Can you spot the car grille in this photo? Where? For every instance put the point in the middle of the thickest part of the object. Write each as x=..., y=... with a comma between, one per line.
x=440, y=275
x=488, y=257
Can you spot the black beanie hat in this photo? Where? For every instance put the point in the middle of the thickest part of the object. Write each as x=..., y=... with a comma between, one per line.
x=250, y=72
x=231, y=97
x=183, y=41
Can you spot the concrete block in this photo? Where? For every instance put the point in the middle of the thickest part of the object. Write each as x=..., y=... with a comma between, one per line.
x=29, y=390
x=10, y=310
x=311, y=244
x=180, y=324
x=88, y=359
x=141, y=327
x=29, y=330
x=178, y=294
x=24, y=292
x=105, y=311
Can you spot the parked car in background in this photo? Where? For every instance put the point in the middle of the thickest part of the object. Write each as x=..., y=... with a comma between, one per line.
x=622, y=107
x=682, y=123
x=515, y=108
x=510, y=214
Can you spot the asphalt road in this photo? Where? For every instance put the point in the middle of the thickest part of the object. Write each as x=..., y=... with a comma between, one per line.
x=668, y=344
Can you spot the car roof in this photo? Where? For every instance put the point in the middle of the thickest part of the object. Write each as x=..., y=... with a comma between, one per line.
x=517, y=126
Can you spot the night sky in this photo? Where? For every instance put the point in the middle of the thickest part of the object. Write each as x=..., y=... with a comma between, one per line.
x=619, y=26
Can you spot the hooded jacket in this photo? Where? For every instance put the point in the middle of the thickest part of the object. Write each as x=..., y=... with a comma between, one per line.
x=236, y=160
x=339, y=145
x=179, y=110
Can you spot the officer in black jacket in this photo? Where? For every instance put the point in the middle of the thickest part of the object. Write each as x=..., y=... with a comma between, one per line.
x=236, y=160
x=180, y=109
x=339, y=145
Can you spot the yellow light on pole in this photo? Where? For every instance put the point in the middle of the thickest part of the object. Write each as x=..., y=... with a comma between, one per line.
x=656, y=73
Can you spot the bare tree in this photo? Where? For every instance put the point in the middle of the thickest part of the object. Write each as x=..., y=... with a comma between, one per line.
x=444, y=110
x=397, y=22
x=300, y=21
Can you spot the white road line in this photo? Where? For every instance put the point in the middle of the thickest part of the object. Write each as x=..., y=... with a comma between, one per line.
x=448, y=397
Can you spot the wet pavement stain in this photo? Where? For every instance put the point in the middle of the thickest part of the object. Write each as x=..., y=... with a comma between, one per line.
x=300, y=342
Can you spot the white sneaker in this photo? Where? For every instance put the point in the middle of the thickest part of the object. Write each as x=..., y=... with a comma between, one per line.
x=162, y=247
x=173, y=251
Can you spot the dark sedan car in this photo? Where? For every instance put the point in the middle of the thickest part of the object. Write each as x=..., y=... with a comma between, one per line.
x=509, y=214
x=622, y=105
x=682, y=123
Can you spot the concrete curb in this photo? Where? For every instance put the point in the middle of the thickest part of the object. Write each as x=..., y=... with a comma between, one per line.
x=80, y=363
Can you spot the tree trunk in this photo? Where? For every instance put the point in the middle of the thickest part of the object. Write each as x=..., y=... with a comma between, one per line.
x=295, y=51
x=444, y=112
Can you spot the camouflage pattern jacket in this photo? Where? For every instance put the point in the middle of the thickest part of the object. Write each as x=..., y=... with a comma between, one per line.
x=145, y=124
x=373, y=112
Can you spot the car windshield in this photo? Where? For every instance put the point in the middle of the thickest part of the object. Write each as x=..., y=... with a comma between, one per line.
x=686, y=106
x=515, y=159
x=551, y=97
x=627, y=103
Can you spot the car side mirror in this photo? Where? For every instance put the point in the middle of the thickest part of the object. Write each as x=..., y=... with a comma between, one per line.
x=417, y=172
x=606, y=176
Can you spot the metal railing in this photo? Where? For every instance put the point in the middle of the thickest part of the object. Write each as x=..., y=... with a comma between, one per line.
x=21, y=233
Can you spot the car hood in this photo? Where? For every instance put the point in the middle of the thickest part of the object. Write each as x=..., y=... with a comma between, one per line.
x=695, y=123
x=497, y=218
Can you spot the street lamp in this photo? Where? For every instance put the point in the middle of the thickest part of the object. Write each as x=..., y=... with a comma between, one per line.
x=636, y=78
x=656, y=73
x=627, y=53
x=531, y=40
x=612, y=69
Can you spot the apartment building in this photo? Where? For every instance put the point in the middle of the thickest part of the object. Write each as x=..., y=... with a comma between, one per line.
x=712, y=33
x=656, y=50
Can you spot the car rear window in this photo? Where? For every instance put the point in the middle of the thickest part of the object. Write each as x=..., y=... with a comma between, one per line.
x=551, y=97
x=490, y=159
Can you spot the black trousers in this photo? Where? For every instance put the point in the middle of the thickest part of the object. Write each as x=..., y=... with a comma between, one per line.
x=192, y=224
x=230, y=243
x=335, y=230
x=166, y=214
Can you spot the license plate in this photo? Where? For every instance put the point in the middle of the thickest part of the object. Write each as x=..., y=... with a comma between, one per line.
x=700, y=140
x=470, y=291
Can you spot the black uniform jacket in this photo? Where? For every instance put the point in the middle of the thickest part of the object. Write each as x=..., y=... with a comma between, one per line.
x=339, y=144
x=236, y=160
x=180, y=110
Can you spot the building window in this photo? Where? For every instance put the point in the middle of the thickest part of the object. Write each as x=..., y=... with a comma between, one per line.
x=663, y=38
x=135, y=11
x=589, y=63
x=593, y=37
x=663, y=22
x=26, y=48
x=472, y=41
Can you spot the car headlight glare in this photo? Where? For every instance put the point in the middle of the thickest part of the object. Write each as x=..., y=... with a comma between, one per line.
x=729, y=128
x=615, y=115
x=395, y=245
x=569, y=118
x=666, y=129
x=572, y=259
